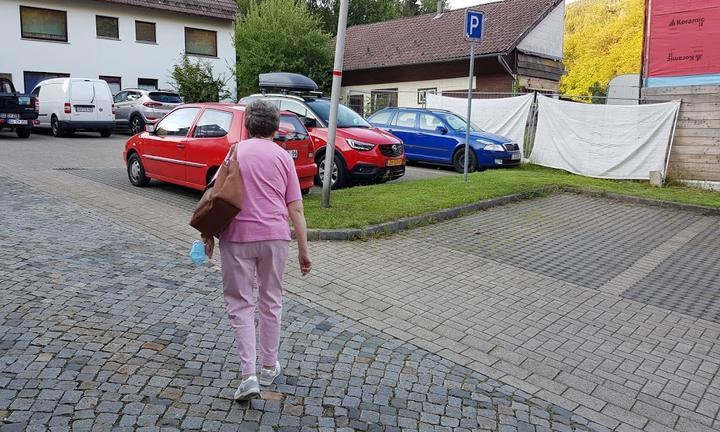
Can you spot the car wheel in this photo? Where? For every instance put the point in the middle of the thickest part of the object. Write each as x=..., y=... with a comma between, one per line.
x=459, y=161
x=136, y=171
x=337, y=177
x=305, y=191
x=23, y=132
x=106, y=133
x=137, y=124
x=55, y=129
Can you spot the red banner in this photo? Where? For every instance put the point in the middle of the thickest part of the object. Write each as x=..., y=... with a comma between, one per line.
x=684, y=38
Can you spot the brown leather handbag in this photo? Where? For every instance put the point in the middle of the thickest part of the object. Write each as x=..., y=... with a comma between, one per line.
x=221, y=201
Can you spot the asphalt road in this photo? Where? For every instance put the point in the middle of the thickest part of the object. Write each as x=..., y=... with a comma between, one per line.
x=107, y=152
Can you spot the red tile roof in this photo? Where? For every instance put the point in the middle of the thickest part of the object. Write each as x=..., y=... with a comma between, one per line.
x=423, y=39
x=224, y=9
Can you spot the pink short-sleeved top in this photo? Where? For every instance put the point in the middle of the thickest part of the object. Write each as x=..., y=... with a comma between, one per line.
x=270, y=183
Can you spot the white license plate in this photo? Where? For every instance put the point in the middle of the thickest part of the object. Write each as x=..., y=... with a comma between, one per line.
x=293, y=153
x=84, y=109
x=17, y=122
x=516, y=156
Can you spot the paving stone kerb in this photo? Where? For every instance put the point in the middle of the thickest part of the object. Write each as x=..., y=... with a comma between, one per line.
x=103, y=329
x=455, y=212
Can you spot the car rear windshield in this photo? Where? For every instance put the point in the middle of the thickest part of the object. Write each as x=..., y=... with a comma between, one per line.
x=291, y=126
x=5, y=87
x=347, y=118
x=165, y=97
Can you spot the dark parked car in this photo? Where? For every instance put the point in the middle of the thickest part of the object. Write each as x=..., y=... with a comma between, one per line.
x=18, y=111
x=438, y=136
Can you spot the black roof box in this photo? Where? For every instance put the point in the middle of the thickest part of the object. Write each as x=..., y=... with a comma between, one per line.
x=286, y=81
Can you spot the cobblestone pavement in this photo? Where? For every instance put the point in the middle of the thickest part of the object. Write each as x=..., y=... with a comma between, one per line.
x=579, y=311
x=102, y=330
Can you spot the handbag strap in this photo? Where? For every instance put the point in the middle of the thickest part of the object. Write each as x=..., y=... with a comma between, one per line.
x=232, y=153
x=231, y=156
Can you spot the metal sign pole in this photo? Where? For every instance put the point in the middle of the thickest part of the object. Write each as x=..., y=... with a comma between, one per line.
x=469, y=108
x=334, y=102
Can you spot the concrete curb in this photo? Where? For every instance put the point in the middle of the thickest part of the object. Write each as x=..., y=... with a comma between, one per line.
x=451, y=213
x=709, y=211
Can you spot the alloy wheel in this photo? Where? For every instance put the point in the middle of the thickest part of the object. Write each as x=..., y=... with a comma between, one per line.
x=333, y=174
x=135, y=126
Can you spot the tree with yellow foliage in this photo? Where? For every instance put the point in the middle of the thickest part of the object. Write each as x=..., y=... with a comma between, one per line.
x=603, y=39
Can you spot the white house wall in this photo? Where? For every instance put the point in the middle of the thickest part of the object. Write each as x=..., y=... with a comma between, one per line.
x=546, y=39
x=87, y=56
x=408, y=91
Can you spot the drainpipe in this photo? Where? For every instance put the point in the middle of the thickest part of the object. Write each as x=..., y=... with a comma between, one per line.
x=507, y=68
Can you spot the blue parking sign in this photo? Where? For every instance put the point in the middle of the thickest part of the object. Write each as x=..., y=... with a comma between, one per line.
x=474, y=25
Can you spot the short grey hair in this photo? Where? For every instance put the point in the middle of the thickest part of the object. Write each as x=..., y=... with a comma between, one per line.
x=262, y=118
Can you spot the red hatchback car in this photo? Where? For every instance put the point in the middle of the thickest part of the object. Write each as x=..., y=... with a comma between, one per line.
x=187, y=146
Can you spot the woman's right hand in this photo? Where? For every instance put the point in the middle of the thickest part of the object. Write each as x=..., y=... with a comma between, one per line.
x=305, y=262
x=209, y=245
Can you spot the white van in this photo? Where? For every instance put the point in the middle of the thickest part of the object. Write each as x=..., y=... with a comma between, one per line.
x=70, y=104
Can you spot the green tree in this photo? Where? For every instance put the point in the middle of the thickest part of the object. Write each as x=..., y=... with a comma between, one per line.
x=596, y=90
x=430, y=6
x=359, y=12
x=243, y=7
x=195, y=82
x=369, y=11
x=280, y=36
x=603, y=39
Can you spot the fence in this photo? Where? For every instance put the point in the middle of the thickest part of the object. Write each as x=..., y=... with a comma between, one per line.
x=696, y=150
x=367, y=102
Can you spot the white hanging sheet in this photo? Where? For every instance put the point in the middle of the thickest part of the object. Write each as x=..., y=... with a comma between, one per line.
x=604, y=141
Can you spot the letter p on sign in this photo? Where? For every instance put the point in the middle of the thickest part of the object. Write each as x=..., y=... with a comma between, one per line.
x=474, y=25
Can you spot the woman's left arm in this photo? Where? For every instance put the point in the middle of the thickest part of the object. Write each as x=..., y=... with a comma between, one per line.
x=296, y=212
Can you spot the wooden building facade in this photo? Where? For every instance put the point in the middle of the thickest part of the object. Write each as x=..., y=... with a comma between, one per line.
x=394, y=63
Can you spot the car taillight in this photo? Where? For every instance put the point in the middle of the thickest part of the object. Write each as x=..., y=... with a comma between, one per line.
x=152, y=104
x=37, y=105
x=68, y=108
x=113, y=109
x=311, y=154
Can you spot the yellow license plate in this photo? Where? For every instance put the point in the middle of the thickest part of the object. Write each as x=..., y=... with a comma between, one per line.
x=394, y=162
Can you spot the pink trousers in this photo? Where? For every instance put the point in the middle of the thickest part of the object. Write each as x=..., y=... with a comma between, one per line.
x=242, y=265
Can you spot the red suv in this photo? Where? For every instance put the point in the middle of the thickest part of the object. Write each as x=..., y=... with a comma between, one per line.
x=187, y=146
x=362, y=152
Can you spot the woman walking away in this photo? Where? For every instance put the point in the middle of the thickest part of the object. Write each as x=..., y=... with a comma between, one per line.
x=255, y=246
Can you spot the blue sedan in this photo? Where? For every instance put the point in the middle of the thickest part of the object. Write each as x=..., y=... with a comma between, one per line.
x=438, y=136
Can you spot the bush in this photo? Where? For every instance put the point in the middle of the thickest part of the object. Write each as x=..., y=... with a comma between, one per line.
x=195, y=82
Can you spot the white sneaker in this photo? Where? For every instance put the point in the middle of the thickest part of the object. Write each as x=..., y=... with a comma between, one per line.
x=267, y=376
x=249, y=389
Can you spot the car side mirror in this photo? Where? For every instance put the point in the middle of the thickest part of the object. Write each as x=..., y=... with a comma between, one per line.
x=309, y=122
x=150, y=129
x=441, y=130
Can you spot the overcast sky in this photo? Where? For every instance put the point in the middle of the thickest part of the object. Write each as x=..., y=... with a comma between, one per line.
x=456, y=4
